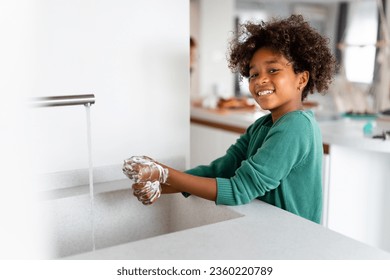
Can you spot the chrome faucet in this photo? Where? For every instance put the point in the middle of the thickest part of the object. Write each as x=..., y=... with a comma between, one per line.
x=65, y=100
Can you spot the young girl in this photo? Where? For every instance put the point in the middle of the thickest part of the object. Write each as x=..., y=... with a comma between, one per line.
x=279, y=158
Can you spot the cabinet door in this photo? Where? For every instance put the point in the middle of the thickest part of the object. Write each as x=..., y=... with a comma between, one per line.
x=359, y=195
x=209, y=143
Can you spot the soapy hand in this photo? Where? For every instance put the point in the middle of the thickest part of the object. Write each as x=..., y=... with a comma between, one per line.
x=142, y=169
x=147, y=192
x=148, y=175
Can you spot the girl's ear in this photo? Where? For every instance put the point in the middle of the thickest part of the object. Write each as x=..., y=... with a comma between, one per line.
x=303, y=79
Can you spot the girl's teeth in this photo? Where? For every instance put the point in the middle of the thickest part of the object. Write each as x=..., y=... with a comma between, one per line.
x=265, y=92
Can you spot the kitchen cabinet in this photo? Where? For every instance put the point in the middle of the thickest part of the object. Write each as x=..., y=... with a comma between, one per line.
x=357, y=184
x=359, y=195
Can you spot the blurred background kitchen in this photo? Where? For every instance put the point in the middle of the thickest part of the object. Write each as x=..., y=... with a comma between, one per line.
x=358, y=36
x=354, y=114
x=133, y=56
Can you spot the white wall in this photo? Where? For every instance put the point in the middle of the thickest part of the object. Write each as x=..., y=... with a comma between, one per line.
x=133, y=55
x=18, y=228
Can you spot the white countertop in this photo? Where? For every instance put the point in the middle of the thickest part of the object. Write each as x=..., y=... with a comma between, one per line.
x=262, y=232
x=349, y=132
x=344, y=131
x=230, y=117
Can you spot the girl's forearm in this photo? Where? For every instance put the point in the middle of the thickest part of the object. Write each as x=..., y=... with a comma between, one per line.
x=183, y=182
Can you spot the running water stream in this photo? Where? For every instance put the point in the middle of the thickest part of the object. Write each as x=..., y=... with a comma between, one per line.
x=90, y=164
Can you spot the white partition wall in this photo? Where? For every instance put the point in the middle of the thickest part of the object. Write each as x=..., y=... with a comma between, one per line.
x=132, y=55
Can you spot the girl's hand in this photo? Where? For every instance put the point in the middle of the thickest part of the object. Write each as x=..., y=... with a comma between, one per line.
x=142, y=169
x=147, y=192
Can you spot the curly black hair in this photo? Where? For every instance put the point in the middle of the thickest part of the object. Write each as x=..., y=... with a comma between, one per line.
x=292, y=37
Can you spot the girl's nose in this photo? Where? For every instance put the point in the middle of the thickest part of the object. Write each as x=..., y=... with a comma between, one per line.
x=262, y=79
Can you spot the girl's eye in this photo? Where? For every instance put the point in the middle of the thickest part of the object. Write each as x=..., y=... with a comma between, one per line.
x=252, y=76
x=273, y=70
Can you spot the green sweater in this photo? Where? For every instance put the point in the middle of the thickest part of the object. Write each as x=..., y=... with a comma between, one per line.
x=279, y=163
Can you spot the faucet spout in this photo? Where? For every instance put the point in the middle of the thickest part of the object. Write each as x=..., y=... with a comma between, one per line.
x=64, y=100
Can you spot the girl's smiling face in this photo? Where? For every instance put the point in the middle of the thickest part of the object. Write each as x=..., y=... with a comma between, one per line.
x=273, y=83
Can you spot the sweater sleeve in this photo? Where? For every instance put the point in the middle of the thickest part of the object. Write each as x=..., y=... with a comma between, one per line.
x=285, y=147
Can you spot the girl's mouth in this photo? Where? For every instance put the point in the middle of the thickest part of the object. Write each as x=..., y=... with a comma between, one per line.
x=265, y=92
